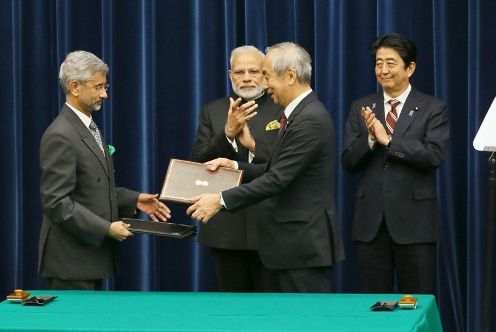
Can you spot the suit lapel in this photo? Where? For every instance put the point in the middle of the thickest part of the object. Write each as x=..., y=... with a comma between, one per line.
x=308, y=99
x=408, y=114
x=378, y=108
x=87, y=137
x=278, y=144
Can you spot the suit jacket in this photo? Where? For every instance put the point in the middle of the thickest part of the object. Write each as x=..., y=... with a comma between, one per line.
x=399, y=183
x=79, y=201
x=296, y=188
x=233, y=229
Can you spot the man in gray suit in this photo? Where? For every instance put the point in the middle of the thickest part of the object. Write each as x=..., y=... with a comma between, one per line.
x=232, y=236
x=81, y=204
x=298, y=236
x=396, y=139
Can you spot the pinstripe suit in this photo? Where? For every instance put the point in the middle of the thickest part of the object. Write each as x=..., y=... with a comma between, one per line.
x=79, y=200
x=397, y=194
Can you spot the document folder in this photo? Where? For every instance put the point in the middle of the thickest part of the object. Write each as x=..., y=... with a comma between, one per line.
x=186, y=179
x=177, y=231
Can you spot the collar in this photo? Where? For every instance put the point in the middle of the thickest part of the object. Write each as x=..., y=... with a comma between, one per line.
x=86, y=119
x=401, y=98
x=292, y=105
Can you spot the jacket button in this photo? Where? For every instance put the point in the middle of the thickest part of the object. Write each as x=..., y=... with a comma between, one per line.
x=99, y=180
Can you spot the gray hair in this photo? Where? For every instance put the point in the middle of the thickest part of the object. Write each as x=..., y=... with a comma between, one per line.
x=80, y=66
x=244, y=49
x=291, y=55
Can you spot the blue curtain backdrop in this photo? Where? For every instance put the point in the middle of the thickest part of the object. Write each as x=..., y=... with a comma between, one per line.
x=169, y=57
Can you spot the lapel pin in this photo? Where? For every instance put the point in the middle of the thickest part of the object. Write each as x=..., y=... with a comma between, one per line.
x=373, y=105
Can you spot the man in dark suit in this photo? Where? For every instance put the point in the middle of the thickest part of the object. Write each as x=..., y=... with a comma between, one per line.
x=298, y=236
x=232, y=236
x=396, y=139
x=81, y=204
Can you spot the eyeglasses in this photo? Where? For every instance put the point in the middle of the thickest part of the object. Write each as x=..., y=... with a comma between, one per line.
x=98, y=87
x=251, y=72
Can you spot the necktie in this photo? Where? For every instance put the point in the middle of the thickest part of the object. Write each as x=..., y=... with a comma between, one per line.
x=282, y=122
x=392, y=117
x=96, y=134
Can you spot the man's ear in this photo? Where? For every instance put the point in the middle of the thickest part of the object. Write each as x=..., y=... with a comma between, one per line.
x=74, y=88
x=411, y=69
x=291, y=76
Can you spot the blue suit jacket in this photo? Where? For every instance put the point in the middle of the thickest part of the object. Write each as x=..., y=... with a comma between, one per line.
x=399, y=183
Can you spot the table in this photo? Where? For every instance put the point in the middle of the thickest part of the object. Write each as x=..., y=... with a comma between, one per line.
x=160, y=311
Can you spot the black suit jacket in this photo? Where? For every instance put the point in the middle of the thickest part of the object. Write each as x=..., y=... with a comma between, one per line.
x=398, y=183
x=233, y=229
x=79, y=201
x=296, y=188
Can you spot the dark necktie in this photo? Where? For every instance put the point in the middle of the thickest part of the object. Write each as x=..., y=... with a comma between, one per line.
x=96, y=134
x=282, y=122
x=392, y=117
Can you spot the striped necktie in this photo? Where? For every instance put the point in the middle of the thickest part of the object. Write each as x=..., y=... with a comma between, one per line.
x=392, y=117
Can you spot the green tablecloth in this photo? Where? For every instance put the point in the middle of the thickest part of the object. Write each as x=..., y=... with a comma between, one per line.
x=155, y=311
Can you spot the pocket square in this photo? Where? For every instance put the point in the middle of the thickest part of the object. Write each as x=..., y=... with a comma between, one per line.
x=272, y=125
x=111, y=149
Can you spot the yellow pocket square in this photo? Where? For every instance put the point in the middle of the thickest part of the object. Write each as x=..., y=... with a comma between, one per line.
x=272, y=125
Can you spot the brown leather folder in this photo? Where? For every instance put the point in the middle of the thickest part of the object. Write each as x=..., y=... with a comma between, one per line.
x=186, y=179
x=178, y=231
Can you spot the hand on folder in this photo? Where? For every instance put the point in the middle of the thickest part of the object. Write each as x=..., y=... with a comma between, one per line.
x=214, y=165
x=155, y=209
x=205, y=207
x=118, y=231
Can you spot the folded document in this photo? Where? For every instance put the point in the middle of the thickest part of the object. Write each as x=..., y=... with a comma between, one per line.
x=178, y=231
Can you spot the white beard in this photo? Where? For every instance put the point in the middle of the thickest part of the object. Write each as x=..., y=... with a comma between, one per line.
x=248, y=95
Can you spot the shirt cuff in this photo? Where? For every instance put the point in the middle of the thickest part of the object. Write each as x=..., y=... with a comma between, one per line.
x=222, y=201
x=251, y=156
x=233, y=143
x=371, y=142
